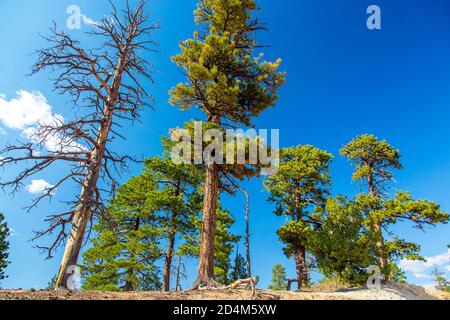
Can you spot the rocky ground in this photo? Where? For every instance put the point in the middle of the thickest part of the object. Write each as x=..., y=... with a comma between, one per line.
x=389, y=292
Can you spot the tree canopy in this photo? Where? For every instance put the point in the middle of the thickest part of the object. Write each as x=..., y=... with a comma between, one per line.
x=374, y=161
x=124, y=253
x=300, y=185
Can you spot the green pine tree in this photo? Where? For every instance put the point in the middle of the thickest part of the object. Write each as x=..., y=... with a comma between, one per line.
x=239, y=269
x=229, y=85
x=176, y=200
x=341, y=245
x=297, y=189
x=124, y=252
x=279, y=278
x=442, y=284
x=374, y=162
x=52, y=283
x=4, y=246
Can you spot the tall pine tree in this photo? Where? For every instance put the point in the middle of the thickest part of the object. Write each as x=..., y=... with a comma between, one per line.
x=374, y=161
x=300, y=185
x=228, y=85
x=176, y=198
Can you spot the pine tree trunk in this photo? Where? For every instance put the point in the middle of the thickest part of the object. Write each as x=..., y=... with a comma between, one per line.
x=205, y=276
x=168, y=261
x=170, y=244
x=379, y=233
x=301, y=267
x=73, y=247
x=82, y=213
x=300, y=249
x=380, y=247
x=247, y=235
x=130, y=273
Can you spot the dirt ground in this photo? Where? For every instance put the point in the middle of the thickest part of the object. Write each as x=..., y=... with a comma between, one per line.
x=398, y=292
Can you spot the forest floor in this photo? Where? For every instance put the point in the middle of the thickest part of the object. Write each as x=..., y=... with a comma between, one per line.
x=388, y=292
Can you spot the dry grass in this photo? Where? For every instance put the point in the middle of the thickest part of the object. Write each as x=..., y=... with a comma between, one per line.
x=333, y=284
x=442, y=295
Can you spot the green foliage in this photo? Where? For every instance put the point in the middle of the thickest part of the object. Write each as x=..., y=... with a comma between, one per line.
x=223, y=79
x=297, y=189
x=279, y=278
x=185, y=151
x=374, y=162
x=125, y=250
x=397, y=274
x=239, y=270
x=4, y=246
x=302, y=180
x=342, y=246
x=223, y=244
x=147, y=210
x=442, y=284
x=177, y=195
x=52, y=283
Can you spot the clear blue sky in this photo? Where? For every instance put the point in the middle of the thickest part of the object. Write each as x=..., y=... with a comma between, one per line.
x=342, y=80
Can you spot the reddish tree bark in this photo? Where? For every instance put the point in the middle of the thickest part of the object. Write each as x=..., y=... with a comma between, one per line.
x=206, y=257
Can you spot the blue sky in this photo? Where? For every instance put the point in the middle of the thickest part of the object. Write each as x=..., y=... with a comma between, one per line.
x=342, y=80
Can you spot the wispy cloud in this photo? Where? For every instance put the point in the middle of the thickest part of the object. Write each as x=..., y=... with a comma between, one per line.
x=87, y=20
x=3, y=132
x=38, y=187
x=423, y=269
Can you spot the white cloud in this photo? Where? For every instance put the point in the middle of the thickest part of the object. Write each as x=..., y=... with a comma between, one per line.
x=422, y=269
x=2, y=131
x=53, y=142
x=26, y=112
x=38, y=186
x=89, y=21
x=28, y=109
x=423, y=276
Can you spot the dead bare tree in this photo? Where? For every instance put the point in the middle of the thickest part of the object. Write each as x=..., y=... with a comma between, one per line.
x=106, y=85
x=180, y=273
x=247, y=233
x=247, y=230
